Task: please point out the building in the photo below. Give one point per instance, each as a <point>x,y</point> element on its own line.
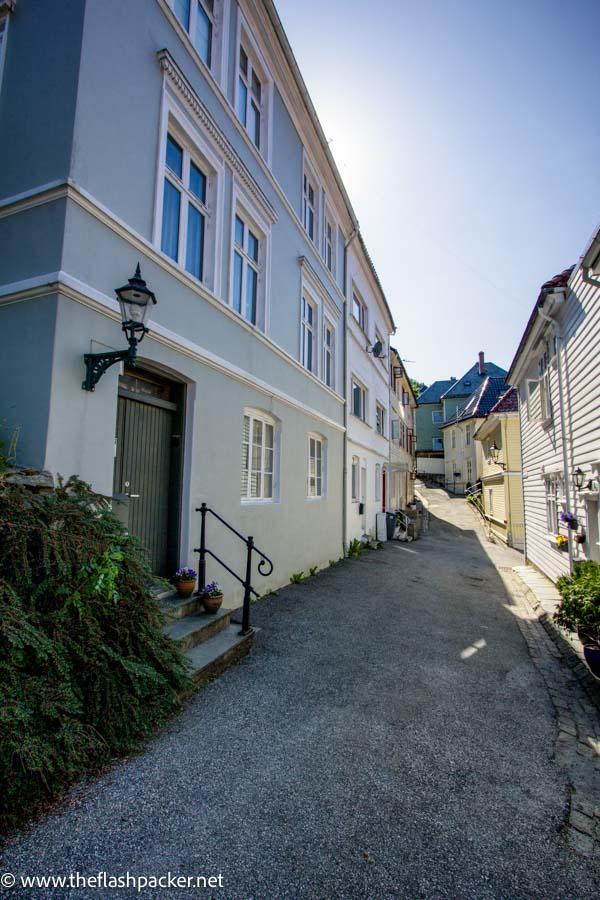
<point>181,136</point>
<point>429,418</point>
<point>461,461</point>
<point>368,329</point>
<point>557,379</point>
<point>402,465</point>
<point>498,444</point>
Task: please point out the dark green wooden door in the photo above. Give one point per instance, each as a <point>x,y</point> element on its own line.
<point>147,463</point>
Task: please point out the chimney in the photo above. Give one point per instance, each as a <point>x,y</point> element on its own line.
<point>481,363</point>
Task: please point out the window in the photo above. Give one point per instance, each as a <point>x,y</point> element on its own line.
<point>355,477</point>
<point>405,398</point>
<point>469,470</point>
<point>359,400</point>
<point>258,457</point>
<point>491,501</point>
<point>552,486</point>
<point>401,435</point>
<point>250,98</point>
<point>329,241</point>
<point>453,440</point>
<point>328,354</point>
<point>395,429</point>
<point>380,419</point>
<point>437,416</point>
<point>377,482</point>
<point>309,212</point>
<point>359,311</point>
<point>468,435</point>
<point>316,466</point>
<point>198,19</point>
<point>185,209</point>
<point>309,323</point>
<point>245,270</point>
<point>437,443</point>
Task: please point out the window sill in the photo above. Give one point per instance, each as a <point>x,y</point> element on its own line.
<point>362,421</point>
<point>547,423</point>
<point>258,502</point>
<point>314,499</point>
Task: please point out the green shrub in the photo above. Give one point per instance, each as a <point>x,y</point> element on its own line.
<point>298,578</point>
<point>355,548</point>
<point>85,670</point>
<point>579,608</point>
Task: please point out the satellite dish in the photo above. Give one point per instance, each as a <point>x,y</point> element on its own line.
<point>377,349</point>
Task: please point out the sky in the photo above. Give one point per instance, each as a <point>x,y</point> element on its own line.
<point>468,137</point>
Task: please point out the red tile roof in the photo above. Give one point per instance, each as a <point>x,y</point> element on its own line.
<point>508,402</point>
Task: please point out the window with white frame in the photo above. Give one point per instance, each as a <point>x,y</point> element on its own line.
<point>329,243</point>
<point>552,503</point>
<point>377,481</point>
<point>185,208</point>
<point>246,247</point>
<point>395,429</point>
<point>316,465</point>
<point>258,456</point>
<point>359,311</point>
<point>309,209</point>
<point>469,470</point>
<point>328,354</point>
<point>355,470</point>
<point>250,97</point>
<point>359,400</point>
<point>380,419</point>
<point>309,325</point>
<point>198,18</point>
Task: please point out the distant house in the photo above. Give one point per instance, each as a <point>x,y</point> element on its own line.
<point>403,406</point>
<point>556,374</point>
<point>498,445</point>
<point>429,417</point>
<point>460,456</point>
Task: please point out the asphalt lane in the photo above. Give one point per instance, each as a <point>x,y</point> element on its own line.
<point>388,737</point>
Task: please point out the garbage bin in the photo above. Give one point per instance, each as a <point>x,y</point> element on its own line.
<point>390,524</point>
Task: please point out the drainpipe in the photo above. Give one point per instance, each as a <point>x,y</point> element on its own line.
<point>558,298</point>
<point>353,234</point>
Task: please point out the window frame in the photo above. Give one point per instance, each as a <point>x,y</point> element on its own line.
<point>434,413</point>
<point>310,181</point>
<point>440,441</point>
<point>252,218</point>
<point>309,329</point>
<point>362,318</point>
<point>552,483</point>
<point>328,353</point>
<point>380,419</point>
<point>219,19</point>
<point>257,62</point>
<point>195,148</point>
<point>355,479</point>
<point>258,415</point>
<point>355,383</point>
<point>320,482</point>
<point>329,246</point>
<point>378,482</point>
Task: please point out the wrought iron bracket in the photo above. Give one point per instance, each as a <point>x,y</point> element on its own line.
<point>96,364</point>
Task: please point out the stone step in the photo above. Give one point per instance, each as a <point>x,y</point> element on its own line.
<point>192,630</point>
<point>211,658</point>
<point>175,607</point>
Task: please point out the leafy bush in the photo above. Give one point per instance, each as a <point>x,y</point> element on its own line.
<point>355,548</point>
<point>579,608</point>
<point>298,578</point>
<point>85,670</point>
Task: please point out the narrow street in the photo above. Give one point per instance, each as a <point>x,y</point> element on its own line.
<point>388,736</point>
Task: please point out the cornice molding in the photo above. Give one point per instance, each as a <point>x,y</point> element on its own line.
<point>184,88</point>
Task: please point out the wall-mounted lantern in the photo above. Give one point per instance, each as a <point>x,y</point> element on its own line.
<point>578,478</point>
<point>495,455</point>
<point>135,300</point>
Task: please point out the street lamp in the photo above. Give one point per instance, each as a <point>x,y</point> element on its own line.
<point>134,299</point>
<point>495,454</point>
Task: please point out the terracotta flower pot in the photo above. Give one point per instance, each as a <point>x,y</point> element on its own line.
<point>185,588</point>
<point>212,604</point>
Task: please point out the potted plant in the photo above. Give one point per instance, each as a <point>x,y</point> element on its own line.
<point>579,609</point>
<point>212,596</point>
<point>562,542</point>
<point>184,580</point>
<point>569,519</point>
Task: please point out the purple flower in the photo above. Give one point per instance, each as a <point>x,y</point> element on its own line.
<point>186,574</point>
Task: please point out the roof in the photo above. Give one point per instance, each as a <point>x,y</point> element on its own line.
<point>482,401</point>
<point>433,393</point>
<point>558,281</point>
<point>471,380</point>
<point>508,402</point>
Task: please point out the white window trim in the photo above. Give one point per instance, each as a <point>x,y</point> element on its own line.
<point>365,398</point>
<point>314,330</point>
<point>245,36</point>
<point>381,406</point>
<point>173,121</point>
<point>314,436</point>
<point>325,311</point>
<point>251,215</point>
<point>355,479</point>
<point>309,170</point>
<point>328,216</point>
<point>331,349</point>
<point>266,418</point>
<point>356,293</point>
<point>220,44</point>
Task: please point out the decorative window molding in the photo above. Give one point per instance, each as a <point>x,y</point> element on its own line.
<point>253,93</point>
<point>359,400</point>
<point>249,288</point>
<point>221,144</point>
<point>261,440</point>
<point>317,467</point>
<point>188,212</point>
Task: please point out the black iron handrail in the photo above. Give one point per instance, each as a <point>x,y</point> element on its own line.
<point>246,582</point>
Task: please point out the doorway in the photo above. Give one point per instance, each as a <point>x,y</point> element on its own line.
<point>148,463</point>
